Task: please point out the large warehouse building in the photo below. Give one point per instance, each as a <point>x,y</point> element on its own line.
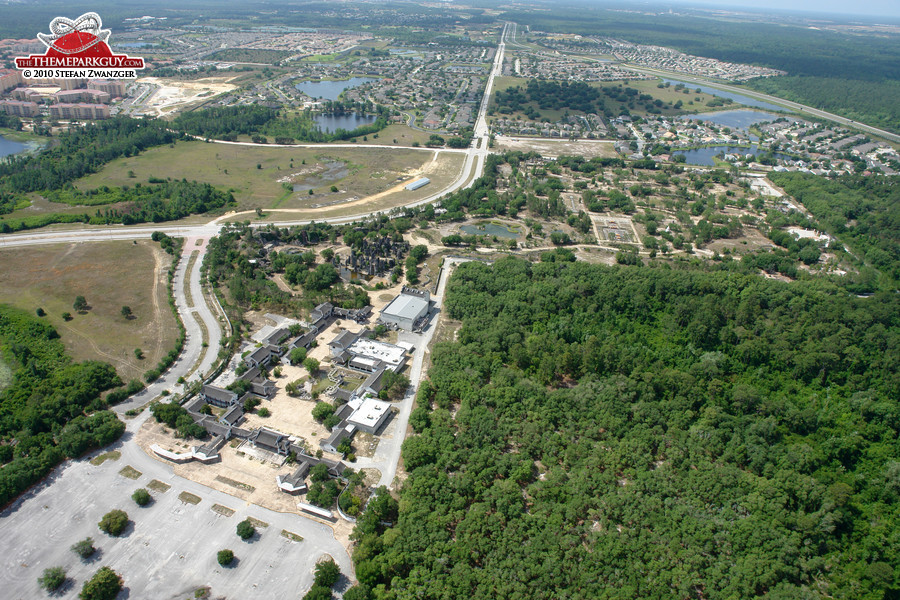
<point>406,310</point>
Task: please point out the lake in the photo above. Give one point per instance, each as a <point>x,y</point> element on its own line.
<point>330,90</point>
<point>745,100</point>
<point>331,123</point>
<point>489,229</point>
<point>704,156</point>
<point>736,119</point>
<point>8,147</point>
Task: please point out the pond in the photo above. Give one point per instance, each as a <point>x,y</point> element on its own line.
<point>736,119</point>
<point>745,100</point>
<point>334,170</point>
<point>330,90</point>
<point>350,121</point>
<point>704,156</point>
<point>8,147</point>
<point>489,229</point>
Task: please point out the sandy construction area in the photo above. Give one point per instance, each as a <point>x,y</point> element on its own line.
<point>175,95</point>
<point>550,147</point>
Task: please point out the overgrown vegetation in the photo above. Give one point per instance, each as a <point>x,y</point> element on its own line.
<point>709,435</point>
<point>53,409</point>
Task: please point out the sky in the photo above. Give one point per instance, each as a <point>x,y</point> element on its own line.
<point>867,8</point>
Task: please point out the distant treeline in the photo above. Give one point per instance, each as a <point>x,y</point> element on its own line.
<point>53,409</point>
<point>799,50</point>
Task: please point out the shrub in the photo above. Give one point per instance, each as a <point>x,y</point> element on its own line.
<point>141,497</point>
<point>52,579</point>
<point>245,529</point>
<point>114,522</point>
<point>104,585</point>
<point>263,412</point>
<point>225,557</point>
<point>84,548</point>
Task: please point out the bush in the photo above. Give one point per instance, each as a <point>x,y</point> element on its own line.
<point>84,548</point>
<point>327,573</point>
<point>322,410</point>
<point>114,522</point>
<point>52,579</point>
<point>263,412</point>
<point>225,557</point>
<point>104,585</point>
<point>141,497</point>
<point>245,529</point>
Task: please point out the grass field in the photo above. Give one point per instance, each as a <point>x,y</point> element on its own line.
<point>256,174</point>
<point>109,275</point>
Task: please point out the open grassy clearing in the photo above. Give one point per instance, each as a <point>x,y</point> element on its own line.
<point>159,486</point>
<point>6,375</point>
<point>189,498</point>
<point>222,510</point>
<point>291,535</point>
<point>257,175</point>
<point>109,275</point>
<point>102,458</point>
<point>442,171</point>
<point>130,472</point>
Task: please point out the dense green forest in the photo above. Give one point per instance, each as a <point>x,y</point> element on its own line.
<point>862,211</point>
<point>53,409</point>
<point>601,432</point>
<point>610,101</point>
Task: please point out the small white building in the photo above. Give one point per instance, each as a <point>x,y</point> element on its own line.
<point>370,415</point>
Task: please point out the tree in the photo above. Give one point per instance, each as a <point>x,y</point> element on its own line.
<point>84,548</point>
<point>327,574</point>
<point>126,312</point>
<point>245,529</point>
<point>67,316</point>
<point>40,312</point>
<point>80,304</point>
<point>297,356</point>
<point>318,592</point>
<point>104,585</point>
<point>263,412</point>
<point>114,522</point>
<point>52,579</point>
<point>312,365</point>
<point>139,354</point>
<point>327,254</point>
<point>225,557</point>
<point>141,497</point>
<point>322,410</point>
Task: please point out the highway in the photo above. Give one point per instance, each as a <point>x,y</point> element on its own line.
<point>800,108</point>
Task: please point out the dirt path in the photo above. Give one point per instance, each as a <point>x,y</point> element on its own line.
<point>157,309</point>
